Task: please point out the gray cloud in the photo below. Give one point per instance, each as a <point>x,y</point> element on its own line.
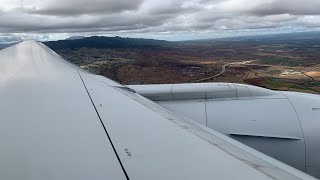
<point>114,22</point>
<point>154,16</point>
<point>293,7</point>
<point>80,7</point>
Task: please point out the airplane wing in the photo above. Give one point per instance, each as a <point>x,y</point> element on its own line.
<point>60,122</point>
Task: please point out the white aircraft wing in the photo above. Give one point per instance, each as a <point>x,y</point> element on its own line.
<point>59,122</point>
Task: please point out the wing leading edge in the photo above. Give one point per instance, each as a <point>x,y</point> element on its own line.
<point>59,122</point>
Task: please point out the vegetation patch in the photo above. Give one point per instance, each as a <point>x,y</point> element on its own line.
<point>281,61</point>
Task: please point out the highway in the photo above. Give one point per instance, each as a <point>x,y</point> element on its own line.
<point>223,70</point>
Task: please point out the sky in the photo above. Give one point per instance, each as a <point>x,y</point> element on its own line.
<point>159,19</point>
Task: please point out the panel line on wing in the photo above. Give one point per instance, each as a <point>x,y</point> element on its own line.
<point>124,171</point>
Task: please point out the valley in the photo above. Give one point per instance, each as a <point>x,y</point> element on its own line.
<point>289,62</point>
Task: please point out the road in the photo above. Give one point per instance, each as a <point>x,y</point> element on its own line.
<point>223,70</point>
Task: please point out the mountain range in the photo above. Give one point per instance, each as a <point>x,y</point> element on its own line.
<point>102,42</point>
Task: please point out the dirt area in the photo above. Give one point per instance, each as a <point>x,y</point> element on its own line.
<point>314,74</point>
<point>278,65</point>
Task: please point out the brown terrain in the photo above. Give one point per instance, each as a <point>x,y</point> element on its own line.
<point>290,65</point>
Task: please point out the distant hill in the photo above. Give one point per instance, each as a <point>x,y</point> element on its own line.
<point>101,42</point>
<point>75,37</point>
<point>10,39</point>
<point>300,37</point>
<point>2,46</point>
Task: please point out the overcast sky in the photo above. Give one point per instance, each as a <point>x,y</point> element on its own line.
<point>160,19</point>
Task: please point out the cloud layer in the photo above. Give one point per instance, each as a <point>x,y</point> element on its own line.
<point>158,17</point>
